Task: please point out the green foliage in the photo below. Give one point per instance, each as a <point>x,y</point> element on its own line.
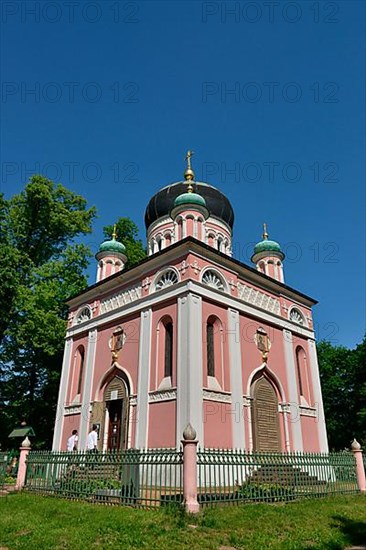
<point>269,492</point>
<point>127,233</point>
<point>41,267</point>
<point>343,380</point>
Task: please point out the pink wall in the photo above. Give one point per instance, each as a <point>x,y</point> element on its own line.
<point>127,358</point>
<point>310,437</point>
<point>217,424</point>
<point>162,424</point>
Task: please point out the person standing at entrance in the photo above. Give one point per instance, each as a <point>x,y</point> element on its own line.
<point>92,440</point>
<point>72,442</point>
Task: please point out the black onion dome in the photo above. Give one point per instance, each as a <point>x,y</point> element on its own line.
<point>163,201</point>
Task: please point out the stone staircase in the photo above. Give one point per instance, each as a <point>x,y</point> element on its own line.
<point>284,475</point>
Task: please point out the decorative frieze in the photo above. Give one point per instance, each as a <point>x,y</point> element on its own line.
<point>258,299</point>
<point>72,409</point>
<point>121,299</point>
<point>308,411</point>
<point>162,395</point>
<point>210,395</point>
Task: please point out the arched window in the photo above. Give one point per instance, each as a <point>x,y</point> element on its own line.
<point>210,342</point>
<point>302,374</point>
<point>168,355</point>
<point>80,361</point>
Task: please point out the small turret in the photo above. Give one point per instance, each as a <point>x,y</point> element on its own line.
<point>111,257</point>
<point>268,257</point>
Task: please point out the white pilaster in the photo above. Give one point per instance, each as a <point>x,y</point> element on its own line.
<point>66,368</point>
<point>236,379</point>
<point>189,366</point>
<point>142,411</point>
<point>318,398</point>
<point>87,388</point>
<point>293,395</point>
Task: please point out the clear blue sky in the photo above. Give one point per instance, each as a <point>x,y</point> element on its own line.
<point>273,92</point>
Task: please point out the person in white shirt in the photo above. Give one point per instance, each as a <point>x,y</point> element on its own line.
<point>72,442</point>
<point>92,440</point>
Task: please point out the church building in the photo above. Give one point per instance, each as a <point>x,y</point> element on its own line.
<point>191,335</point>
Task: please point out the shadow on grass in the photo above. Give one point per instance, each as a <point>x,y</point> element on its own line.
<point>354,531</point>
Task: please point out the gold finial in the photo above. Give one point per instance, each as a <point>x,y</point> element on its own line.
<point>265,234</point>
<point>189,174</point>
<point>114,234</point>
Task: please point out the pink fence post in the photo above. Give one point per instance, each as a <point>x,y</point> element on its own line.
<point>357,452</point>
<point>189,443</point>
<point>22,467</point>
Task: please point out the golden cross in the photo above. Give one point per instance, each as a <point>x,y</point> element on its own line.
<point>188,158</point>
<point>265,234</point>
<point>114,234</point>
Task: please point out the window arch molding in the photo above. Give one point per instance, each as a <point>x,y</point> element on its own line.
<point>165,278</point>
<point>83,314</point>
<point>213,278</point>
<point>297,317</point>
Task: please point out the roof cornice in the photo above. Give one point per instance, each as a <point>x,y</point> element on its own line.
<point>182,248</point>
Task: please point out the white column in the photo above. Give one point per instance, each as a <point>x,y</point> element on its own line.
<point>60,411</point>
<point>189,366</point>
<point>293,395</point>
<point>318,398</point>
<point>236,379</point>
<point>142,411</point>
<point>87,388</point>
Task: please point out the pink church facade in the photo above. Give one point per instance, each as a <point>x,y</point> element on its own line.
<point>191,335</point>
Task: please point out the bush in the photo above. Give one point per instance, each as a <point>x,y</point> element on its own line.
<point>268,492</point>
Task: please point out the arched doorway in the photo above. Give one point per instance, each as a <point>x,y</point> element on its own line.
<point>116,401</point>
<point>265,421</point>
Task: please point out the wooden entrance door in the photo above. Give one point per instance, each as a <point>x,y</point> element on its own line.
<point>115,421</point>
<point>116,401</point>
<point>265,422</point>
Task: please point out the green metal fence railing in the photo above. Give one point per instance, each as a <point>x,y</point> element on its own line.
<point>9,461</point>
<point>153,477</point>
<point>233,476</point>
<point>135,477</point>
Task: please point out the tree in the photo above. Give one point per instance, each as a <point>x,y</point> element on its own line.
<point>43,266</point>
<point>343,380</point>
<point>127,233</point>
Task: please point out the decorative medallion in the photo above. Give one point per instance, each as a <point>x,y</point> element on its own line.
<point>116,342</point>
<point>263,343</point>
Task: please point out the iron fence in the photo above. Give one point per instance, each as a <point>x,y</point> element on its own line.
<point>143,478</point>
<point>9,462</point>
<point>233,476</point>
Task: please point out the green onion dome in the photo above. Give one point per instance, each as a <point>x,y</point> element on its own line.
<point>267,246</point>
<point>193,199</point>
<point>112,246</point>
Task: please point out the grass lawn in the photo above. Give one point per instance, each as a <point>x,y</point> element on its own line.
<point>41,523</point>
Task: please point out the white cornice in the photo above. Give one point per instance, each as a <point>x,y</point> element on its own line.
<point>177,251</point>
<point>200,289</point>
